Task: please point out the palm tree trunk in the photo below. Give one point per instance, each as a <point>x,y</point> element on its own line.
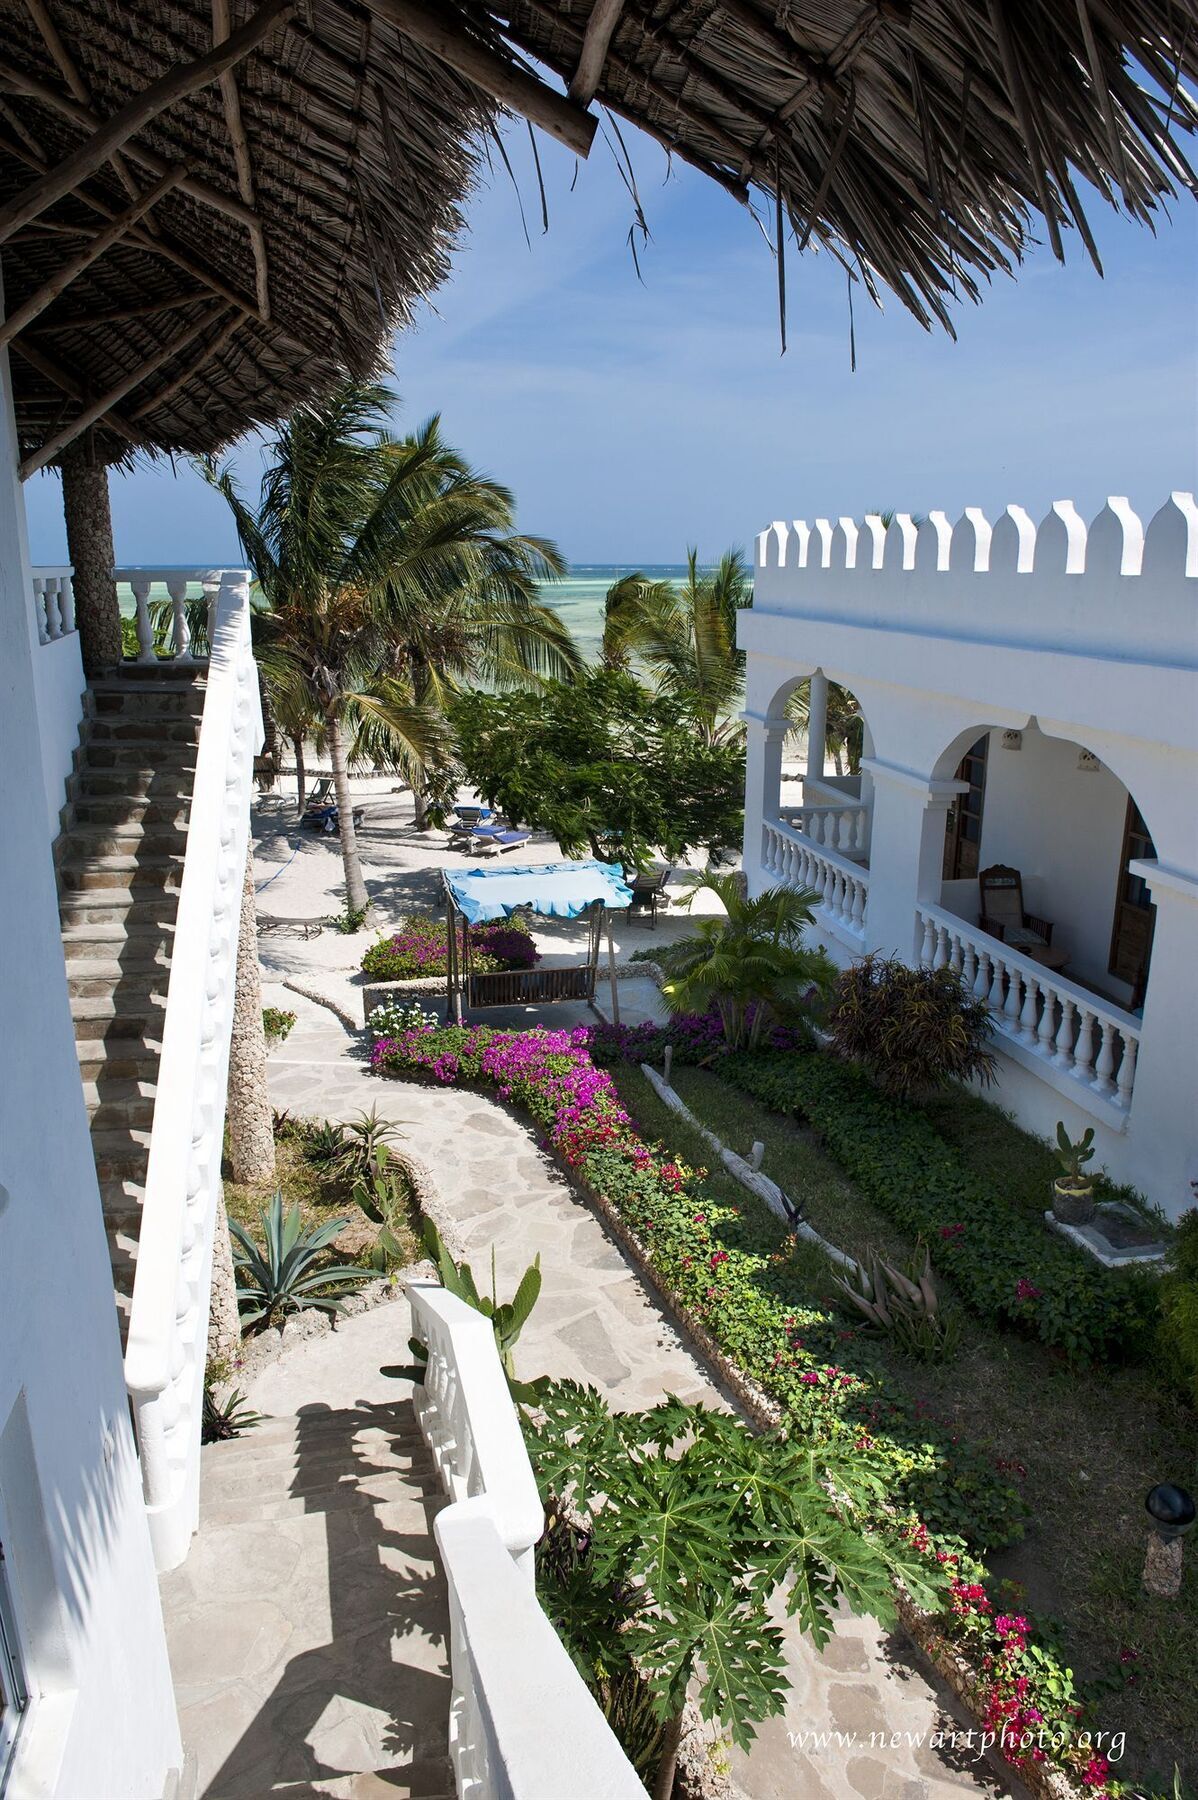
<point>667,1768</point>
<point>251,1138</point>
<point>301,775</point>
<point>89,546</point>
<point>224,1321</point>
<point>420,802</point>
<point>356,898</point>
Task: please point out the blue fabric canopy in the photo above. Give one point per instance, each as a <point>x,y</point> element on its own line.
<point>555,890</point>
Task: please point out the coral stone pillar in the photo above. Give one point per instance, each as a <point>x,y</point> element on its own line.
<point>88,512</point>
<point>251,1139</point>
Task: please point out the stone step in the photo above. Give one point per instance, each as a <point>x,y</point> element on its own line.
<point>115,1105</point>
<point>121,1154</point>
<point>143,908</point>
<point>145,783</point>
<point>117,871</point>
<point>136,727</point>
<point>119,1058</point>
<point>178,758</point>
<point>408,1511</point>
<point>313,1464</point>
<point>117,812</point>
<point>130,838</point>
<point>162,673</point>
<point>114,1018</point>
<point>168,700</point>
<point>138,943</point>
<point>122,1200</point>
<point>93,977</point>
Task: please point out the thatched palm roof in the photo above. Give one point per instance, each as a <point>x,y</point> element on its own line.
<point>195,237</point>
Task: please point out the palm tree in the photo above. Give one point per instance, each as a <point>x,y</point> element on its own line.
<point>844,737</point>
<point>750,964</point>
<point>684,637</point>
<point>360,542</point>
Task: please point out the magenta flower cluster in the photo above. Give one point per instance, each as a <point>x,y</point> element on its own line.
<point>420,947</point>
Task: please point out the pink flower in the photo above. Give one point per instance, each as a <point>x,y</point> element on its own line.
<point>1024,1289</point>
<point>717,1257</point>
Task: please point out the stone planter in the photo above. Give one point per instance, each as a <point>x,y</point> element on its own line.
<point>1072,1201</point>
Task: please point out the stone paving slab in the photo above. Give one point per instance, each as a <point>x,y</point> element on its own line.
<point>596,1322</point>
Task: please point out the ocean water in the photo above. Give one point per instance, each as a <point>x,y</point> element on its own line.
<point>578,597</point>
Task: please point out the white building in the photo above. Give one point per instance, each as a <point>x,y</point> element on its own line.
<point>1029,703</point>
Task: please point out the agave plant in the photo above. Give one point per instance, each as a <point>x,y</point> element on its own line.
<point>508,1318</point>
<point>226,1418</point>
<point>286,1274</point>
<point>902,1304</point>
<point>364,1144</point>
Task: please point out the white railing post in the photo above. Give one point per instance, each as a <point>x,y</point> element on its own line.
<point>164,1359</point>
<point>66,590</point>
<point>141,584</point>
<point>522,1721</point>
<point>176,587</point>
<point>1046,1014</point>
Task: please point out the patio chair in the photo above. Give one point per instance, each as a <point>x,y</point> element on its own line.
<point>321,795</point>
<point>648,892</point>
<point>328,819</point>
<point>1003,915</point>
<point>498,843</point>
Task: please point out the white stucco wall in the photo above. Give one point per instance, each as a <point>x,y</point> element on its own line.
<point>77,1549</point>
<point>59,687</point>
<point>1074,635</point>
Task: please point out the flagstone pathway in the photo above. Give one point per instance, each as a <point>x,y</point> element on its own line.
<point>596,1322</point>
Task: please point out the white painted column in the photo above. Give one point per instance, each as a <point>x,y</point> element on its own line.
<point>906,855</point>
<point>764,739</point>
<point>1161,1131</point>
<point>817,729</point>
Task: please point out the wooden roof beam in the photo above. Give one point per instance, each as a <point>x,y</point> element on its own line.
<point>601,27</point>
<point>231,101</point>
<point>102,241</point>
<point>120,315</point>
<point>72,386</point>
<point>474,62</point>
<point>20,82</point>
<point>95,410</point>
<point>185,374</point>
<point>51,37</point>
<point>176,84</point>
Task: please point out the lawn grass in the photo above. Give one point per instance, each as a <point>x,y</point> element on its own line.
<point>321,1196</point>
<point>1083,1445</point>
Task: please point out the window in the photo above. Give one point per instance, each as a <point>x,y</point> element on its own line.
<point>1135,915</point>
<point>14,1694</point>
<point>963,832</point>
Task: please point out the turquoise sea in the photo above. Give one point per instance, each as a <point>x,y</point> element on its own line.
<point>578,597</point>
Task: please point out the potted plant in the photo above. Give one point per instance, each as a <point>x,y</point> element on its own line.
<point>1073,1191</point>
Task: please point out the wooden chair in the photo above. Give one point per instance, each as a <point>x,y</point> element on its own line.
<point>1003,915</point>
<point>648,892</point>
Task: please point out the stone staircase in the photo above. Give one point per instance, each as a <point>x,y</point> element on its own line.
<point>307,1628</point>
<point>120,865</point>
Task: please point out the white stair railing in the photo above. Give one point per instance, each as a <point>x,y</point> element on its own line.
<point>175,643</point>
<point>523,1724</point>
<point>168,1327</point>
<point>798,861</point>
<point>1070,1029</point>
<point>843,828</point>
<point>53,603</point>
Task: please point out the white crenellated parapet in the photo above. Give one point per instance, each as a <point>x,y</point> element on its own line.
<point>1008,576</point>
<point>522,1722</point>
<point>168,1326</point>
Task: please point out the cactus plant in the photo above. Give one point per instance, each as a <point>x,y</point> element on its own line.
<point>508,1318</point>
<point>903,1304</point>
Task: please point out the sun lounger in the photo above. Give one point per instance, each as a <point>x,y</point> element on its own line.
<point>328,819</point>
<point>498,843</point>
<point>305,928</point>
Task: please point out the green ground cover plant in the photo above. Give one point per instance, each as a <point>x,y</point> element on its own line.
<point>1025,1278</point>
<point>420,947</point>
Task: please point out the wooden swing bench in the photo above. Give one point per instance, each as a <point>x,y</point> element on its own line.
<point>529,987</point>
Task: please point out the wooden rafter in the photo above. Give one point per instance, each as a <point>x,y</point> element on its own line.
<point>102,241</point>
<point>605,16</point>
<point>175,85</point>
<point>230,327</point>
<point>69,70</point>
<point>71,385</point>
<point>471,59</point>
<point>231,101</point>
<point>19,82</point>
<point>97,409</point>
<point>120,315</point>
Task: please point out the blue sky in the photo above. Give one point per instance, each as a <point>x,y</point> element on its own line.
<point>632,420</point>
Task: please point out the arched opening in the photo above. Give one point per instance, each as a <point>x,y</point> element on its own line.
<point>821,768</point>
<point>1042,828</point>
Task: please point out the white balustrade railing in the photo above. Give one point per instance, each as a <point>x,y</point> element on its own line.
<point>792,857</point>
<point>168,1327</point>
<point>523,1724</point>
<point>156,638</point>
<point>1065,1025</point>
<point>844,828</point>
<point>53,603</point>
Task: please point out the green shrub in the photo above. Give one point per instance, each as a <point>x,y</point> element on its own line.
<point>1004,1267</point>
<point>1178,1336</point>
<point>912,1029</point>
<point>276,1023</point>
<point>420,947</point>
